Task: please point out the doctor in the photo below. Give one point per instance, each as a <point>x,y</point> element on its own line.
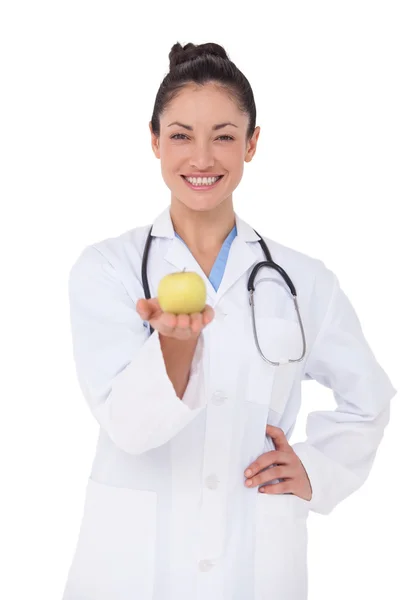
<point>195,490</point>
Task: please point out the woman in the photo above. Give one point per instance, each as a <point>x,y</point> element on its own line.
<point>195,491</point>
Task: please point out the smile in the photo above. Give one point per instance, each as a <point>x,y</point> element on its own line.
<point>202,183</point>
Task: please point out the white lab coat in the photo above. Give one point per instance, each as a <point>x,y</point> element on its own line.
<point>167,515</point>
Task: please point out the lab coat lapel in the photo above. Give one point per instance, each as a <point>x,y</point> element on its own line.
<point>240,258</point>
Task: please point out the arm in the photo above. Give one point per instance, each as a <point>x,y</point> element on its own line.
<point>178,356</point>
<point>121,370</point>
<point>341,445</point>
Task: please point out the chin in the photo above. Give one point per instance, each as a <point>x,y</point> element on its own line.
<point>201,205</point>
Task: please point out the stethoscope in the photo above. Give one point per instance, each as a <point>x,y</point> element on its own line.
<point>250,286</point>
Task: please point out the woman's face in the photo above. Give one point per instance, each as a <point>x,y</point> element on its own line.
<point>195,147</point>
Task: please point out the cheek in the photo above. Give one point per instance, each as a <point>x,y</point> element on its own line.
<point>173,161</point>
<point>171,153</point>
<point>170,159</point>
<point>237,168</point>
<point>231,158</point>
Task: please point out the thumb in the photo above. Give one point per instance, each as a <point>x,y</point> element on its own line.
<point>278,436</point>
<point>142,308</point>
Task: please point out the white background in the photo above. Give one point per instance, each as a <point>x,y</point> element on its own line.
<point>79,80</point>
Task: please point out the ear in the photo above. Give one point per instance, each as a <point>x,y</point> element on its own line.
<point>252,145</point>
<point>155,142</point>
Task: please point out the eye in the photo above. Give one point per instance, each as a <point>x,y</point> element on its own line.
<point>176,136</point>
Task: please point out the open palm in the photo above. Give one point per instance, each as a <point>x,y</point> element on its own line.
<point>182,326</point>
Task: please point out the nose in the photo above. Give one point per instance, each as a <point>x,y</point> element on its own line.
<point>202,157</point>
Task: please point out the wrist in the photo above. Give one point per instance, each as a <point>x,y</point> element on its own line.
<point>175,342</point>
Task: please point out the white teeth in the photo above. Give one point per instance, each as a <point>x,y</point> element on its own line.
<point>202,180</point>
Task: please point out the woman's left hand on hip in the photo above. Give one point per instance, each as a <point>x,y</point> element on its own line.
<point>287,466</point>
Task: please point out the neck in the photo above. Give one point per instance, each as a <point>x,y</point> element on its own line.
<point>203,231</point>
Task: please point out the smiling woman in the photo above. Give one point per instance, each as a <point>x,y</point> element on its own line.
<point>203,131</point>
<point>171,510</point>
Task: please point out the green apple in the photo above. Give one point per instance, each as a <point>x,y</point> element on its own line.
<point>182,293</point>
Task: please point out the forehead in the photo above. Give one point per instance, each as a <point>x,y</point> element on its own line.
<point>208,104</point>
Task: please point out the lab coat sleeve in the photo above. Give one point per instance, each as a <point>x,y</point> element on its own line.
<point>341,445</point>
<point>120,368</point>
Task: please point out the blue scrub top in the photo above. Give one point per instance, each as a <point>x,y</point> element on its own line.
<point>218,269</point>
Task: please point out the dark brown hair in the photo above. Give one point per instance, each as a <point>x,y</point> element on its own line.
<point>202,64</point>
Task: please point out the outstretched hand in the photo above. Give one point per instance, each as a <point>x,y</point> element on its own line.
<point>181,327</point>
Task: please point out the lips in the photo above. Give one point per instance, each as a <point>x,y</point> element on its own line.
<point>201,176</point>
<point>202,187</point>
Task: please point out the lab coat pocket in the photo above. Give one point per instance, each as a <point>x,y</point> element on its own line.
<point>115,553</point>
<point>281,547</point>
<point>279,340</point>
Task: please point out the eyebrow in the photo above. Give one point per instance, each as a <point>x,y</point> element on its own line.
<point>214,127</point>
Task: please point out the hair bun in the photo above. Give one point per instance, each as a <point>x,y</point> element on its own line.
<point>181,54</point>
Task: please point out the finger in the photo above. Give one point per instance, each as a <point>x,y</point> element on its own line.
<point>278,472</point>
<point>274,457</point>
<point>279,437</point>
<point>183,321</point>
<point>182,330</point>
<point>165,324</point>
<point>208,314</point>
<point>196,322</point>
<point>142,308</point>
<point>284,487</point>
<point>147,308</point>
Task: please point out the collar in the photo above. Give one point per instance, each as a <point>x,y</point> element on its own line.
<point>163,227</point>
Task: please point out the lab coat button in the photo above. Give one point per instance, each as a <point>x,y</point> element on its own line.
<point>212,482</point>
<point>218,398</point>
<point>206,565</point>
